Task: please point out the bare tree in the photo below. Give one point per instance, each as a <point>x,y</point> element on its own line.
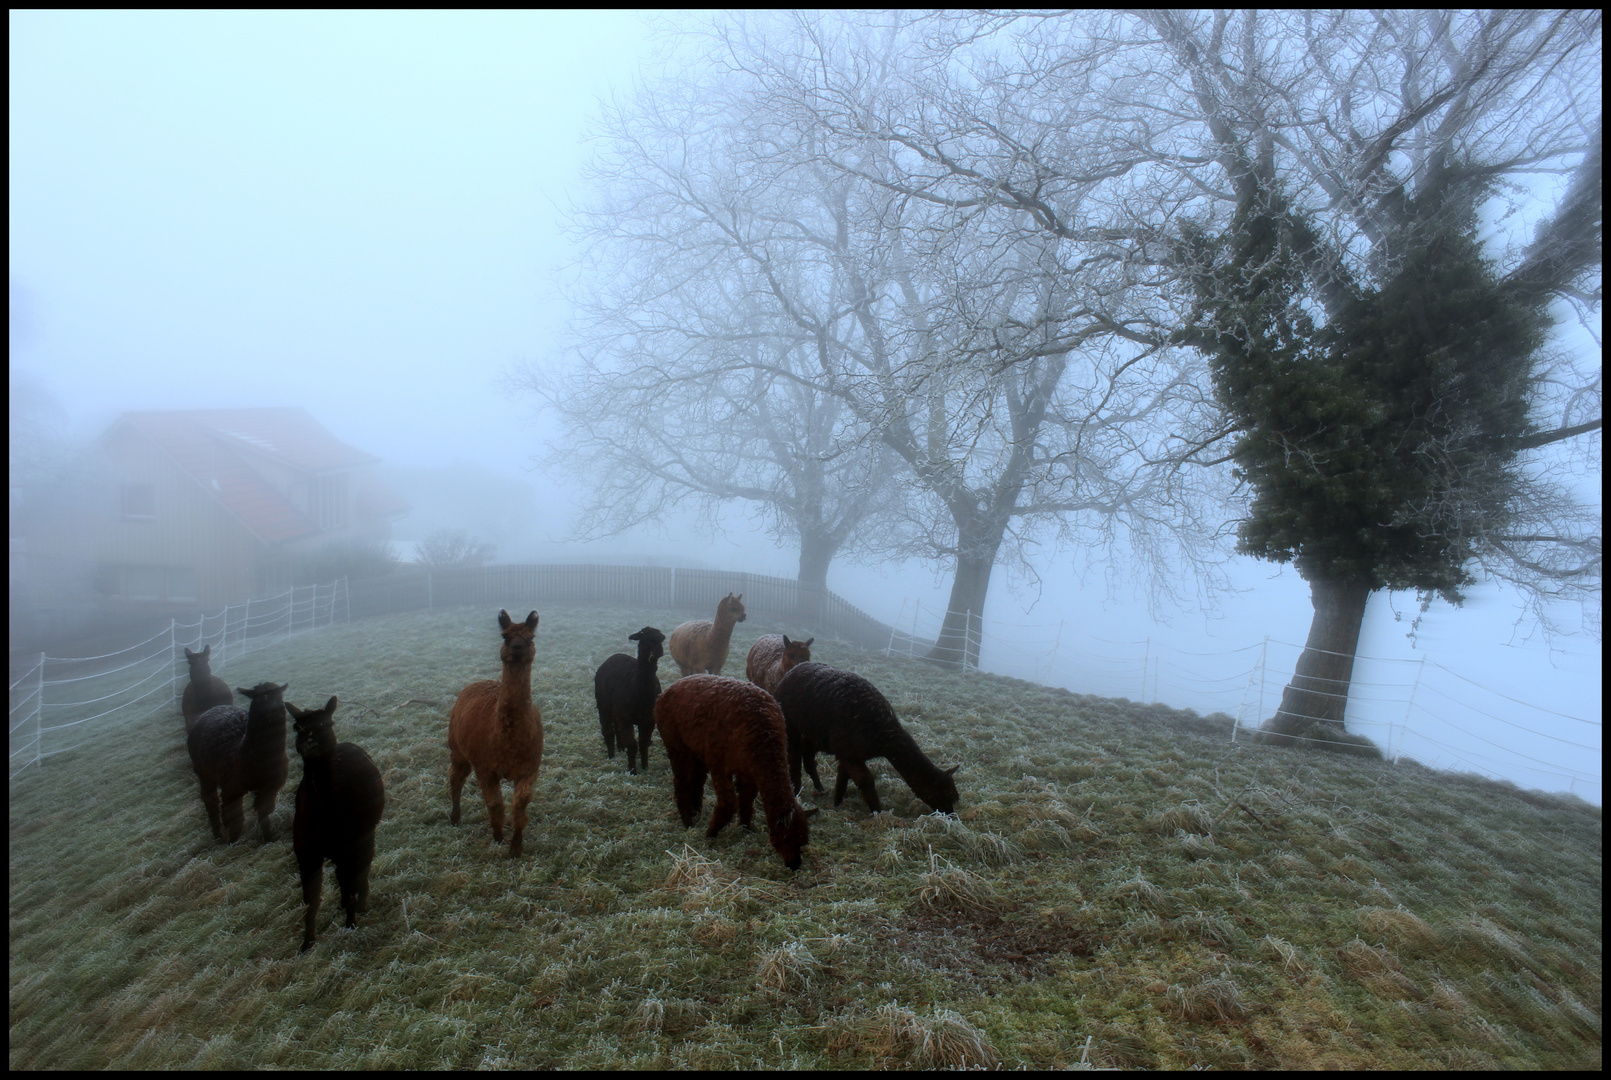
<point>454,547</point>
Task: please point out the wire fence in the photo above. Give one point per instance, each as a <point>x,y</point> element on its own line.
<point>54,699</point>
<point>1413,707</point>
<point>1407,706</point>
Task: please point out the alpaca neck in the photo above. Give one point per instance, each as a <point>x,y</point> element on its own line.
<point>908,760</point>
<point>722,630</point>
<point>514,693</point>
<point>320,773</point>
<point>264,727</point>
<point>648,680</point>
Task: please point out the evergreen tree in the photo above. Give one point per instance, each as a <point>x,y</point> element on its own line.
<point>1380,444</point>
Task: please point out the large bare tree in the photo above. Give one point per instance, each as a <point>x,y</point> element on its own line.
<point>1341,131</point>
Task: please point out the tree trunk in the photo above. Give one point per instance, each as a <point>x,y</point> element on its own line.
<point>1319,687</point>
<point>958,645</point>
<point>816,552</point>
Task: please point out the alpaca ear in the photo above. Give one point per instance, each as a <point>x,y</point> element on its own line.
<point>243,691</point>
<point>952,770</point>
<point>785,641</point>
<point>296,713</point>
<point>813,810</point>
<point>531,620</point>
<point>635,637</point>
<point>330,706</point>
<point>282,688</point>
<point>504,621</point>
<point>808,641</point>
<point>205,649</point>
<point>190,655</point>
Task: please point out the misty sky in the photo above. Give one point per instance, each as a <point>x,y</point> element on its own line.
<point>359,214</point>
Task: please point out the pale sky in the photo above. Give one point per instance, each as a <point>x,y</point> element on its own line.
<point>359,213</point>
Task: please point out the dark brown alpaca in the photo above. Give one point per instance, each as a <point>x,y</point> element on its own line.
<point>204,690</point>
<point>771,657</point>
<point>701,645</point>
<point>497,731</point>
<point>338,805</point>
<point>733,731</point>
<point>237,750</point>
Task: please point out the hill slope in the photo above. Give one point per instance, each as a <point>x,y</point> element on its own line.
<point>1121,885</point>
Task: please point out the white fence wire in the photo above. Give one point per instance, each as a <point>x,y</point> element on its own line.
<point>1408,706</point>
<point>52,697</point>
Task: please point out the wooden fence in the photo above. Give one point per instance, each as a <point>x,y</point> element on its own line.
<point>817,612</point>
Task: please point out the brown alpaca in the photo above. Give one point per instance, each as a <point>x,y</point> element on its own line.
<point>700,646</point>
<point>734,731</point>
<point>771,657</point>
<point>497,731</point>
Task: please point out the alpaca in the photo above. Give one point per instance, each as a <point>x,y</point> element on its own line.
<point>204,690</point>
<point>497,731</point>
<point>700,645</point>
<point>236,750</point>
<point>338,805</point>
<point>734,731</point>
<point>772,656</point>
<point>841,713</point>
<point>625,690</point>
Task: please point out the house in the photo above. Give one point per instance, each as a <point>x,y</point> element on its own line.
<point>201,508</point>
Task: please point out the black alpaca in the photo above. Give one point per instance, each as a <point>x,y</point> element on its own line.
<point>236,750</point>
<point>625,690</point>
<point>338,805</point>
<point>840,713</point>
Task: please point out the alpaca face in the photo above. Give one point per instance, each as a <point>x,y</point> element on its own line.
<point>733,606</point>
<point>790,834</point>
<point>265,694</point>
<point>651,643</point>
<point>315,730</point>
<point>796,652</point>
<point>519,638</point>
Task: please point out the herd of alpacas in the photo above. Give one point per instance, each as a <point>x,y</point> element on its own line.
<point>749,738</point>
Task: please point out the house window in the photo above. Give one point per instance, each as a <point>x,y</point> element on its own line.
<point>330,502</point>
<point>140,502</point>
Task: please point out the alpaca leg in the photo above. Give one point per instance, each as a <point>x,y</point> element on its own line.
<point>746,802</point>
<point>365,850</point>
<point>608,728</point>
<point>630,749</point>
<point>839,784</point>
<point>645,735</point>
<point>726,801</point>
<point>209,799</point>
<point>312,870</point>
<point>347,878</point>
<point>234,814</point>
<point>688,784</point>
<point>517,819</point>
<point>809,754</point>
<point>263,803</point>
<point>492,795</point>
<point>863,776</point>
<point>458,772</point>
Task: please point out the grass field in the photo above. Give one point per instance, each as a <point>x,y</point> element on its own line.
<point>1121,886</point>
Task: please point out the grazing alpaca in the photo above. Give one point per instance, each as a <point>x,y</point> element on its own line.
<point>701,645</point>
<point>338,805</point>
<point>496,730</point>
<point>734,731</point>
<point>772,656</point>
<point>237,750</point>
<point>841,713</point>
<point>625,690</point>
<point>205,689</point>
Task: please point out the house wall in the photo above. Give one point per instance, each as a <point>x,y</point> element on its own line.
<point>190,532</point>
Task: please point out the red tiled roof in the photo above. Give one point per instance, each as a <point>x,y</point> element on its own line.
<point>214,447</point>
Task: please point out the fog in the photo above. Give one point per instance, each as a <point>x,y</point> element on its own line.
<point>359,215</point>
